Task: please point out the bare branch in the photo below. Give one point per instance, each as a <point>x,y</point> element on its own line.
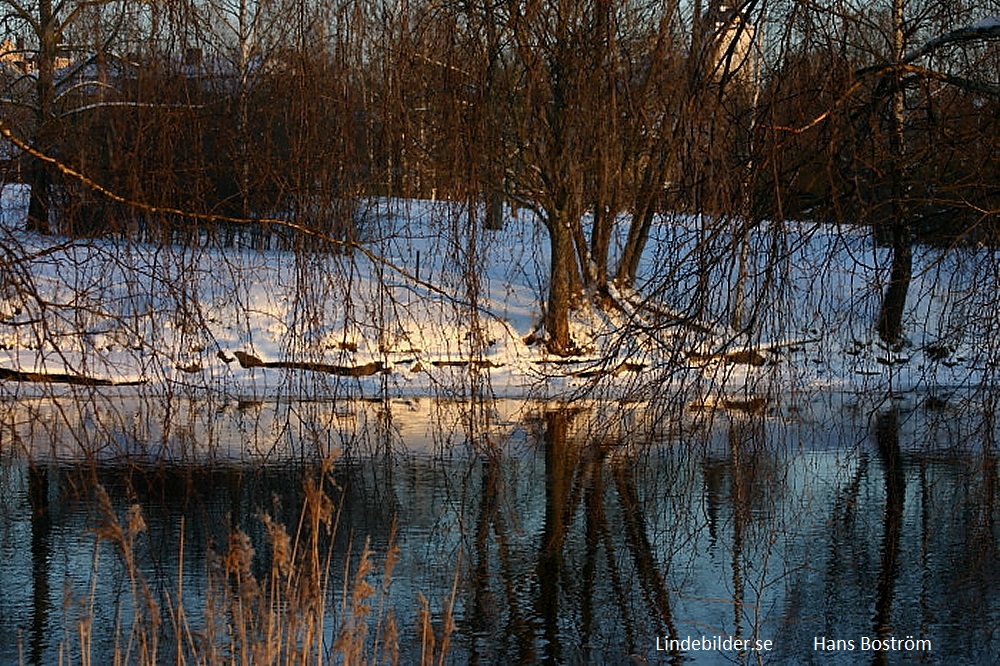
<point>25,15</point>
<point>985,30</point>
<point>351,245</point>
<point>128,105</point>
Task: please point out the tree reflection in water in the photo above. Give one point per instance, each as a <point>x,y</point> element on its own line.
<point>579,557</point>
<point>887,441</point>
<point>573,543</point>
<point>41,553</point>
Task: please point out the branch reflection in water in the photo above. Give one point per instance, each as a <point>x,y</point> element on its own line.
<point>545,533</point>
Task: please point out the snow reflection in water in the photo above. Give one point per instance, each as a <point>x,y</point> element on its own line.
<point>569,544</point>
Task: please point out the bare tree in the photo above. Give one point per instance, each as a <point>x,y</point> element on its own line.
<point>883,135</point>
<point>44,26</point>
<point>578,114</point>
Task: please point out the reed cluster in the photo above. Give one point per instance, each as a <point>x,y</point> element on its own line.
<point>290,600</point>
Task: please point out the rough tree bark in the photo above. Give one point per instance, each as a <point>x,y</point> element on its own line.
<point>890,318</point>
<point>40,177</point>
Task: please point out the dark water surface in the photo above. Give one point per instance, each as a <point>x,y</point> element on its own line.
<point>552,539</point>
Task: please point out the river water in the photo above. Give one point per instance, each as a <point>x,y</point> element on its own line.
<point>544,533</point>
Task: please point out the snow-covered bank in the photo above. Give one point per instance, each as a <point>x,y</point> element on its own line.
<point>449,311</point>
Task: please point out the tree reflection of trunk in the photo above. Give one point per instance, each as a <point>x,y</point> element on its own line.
<point>598,535</point>
<point>986,528</point>
<point>651,579</point>
<point>740,510</point>
<point>887,440</point>
<point>572,480</point>
<point>234,480</point>
<point>983,551</point>
<point>484,605</point>
<point>41,552</point>
<point>927,576</point>
<point>596,524</point>
<point>988,524</point>
<point>713,476</point>
<point>484,611</point>
<point>843,546</point>
<point>560,464</point>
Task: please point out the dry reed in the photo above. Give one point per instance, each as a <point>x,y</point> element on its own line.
<point>256,610</point>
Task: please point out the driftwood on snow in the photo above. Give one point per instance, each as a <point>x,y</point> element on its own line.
<point>59,378</point>
<point>365,370</point>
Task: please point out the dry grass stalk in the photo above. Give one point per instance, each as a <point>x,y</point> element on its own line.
<point>385,629</point>
<point>281,617</point>
<point>352,638</point>
<point>141,643</point>
<point>427,638</point>
<point>434,649</point>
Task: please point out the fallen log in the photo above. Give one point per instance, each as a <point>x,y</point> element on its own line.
<point>59,378</point>
<point>741,357</point>
<point>365,370</point>
<point>460,363</point>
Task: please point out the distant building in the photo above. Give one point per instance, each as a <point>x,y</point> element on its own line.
<point>15,57</point>
<point>733,55</point>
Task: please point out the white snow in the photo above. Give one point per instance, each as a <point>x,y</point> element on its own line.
<point>173,317</point>
<point>987,23</point>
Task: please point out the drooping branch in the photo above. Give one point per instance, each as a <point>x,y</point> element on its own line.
<point>960,82</point>
<point>213,218</point>
<point>985,30</point>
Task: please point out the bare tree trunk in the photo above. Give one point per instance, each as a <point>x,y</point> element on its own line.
<point>608,159</point>
<point>890,318</point>
<point>243,109</point>
<point>39,203</point>
<point>642,221</point>
<point>564,283</point>
<point>494,211</point>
